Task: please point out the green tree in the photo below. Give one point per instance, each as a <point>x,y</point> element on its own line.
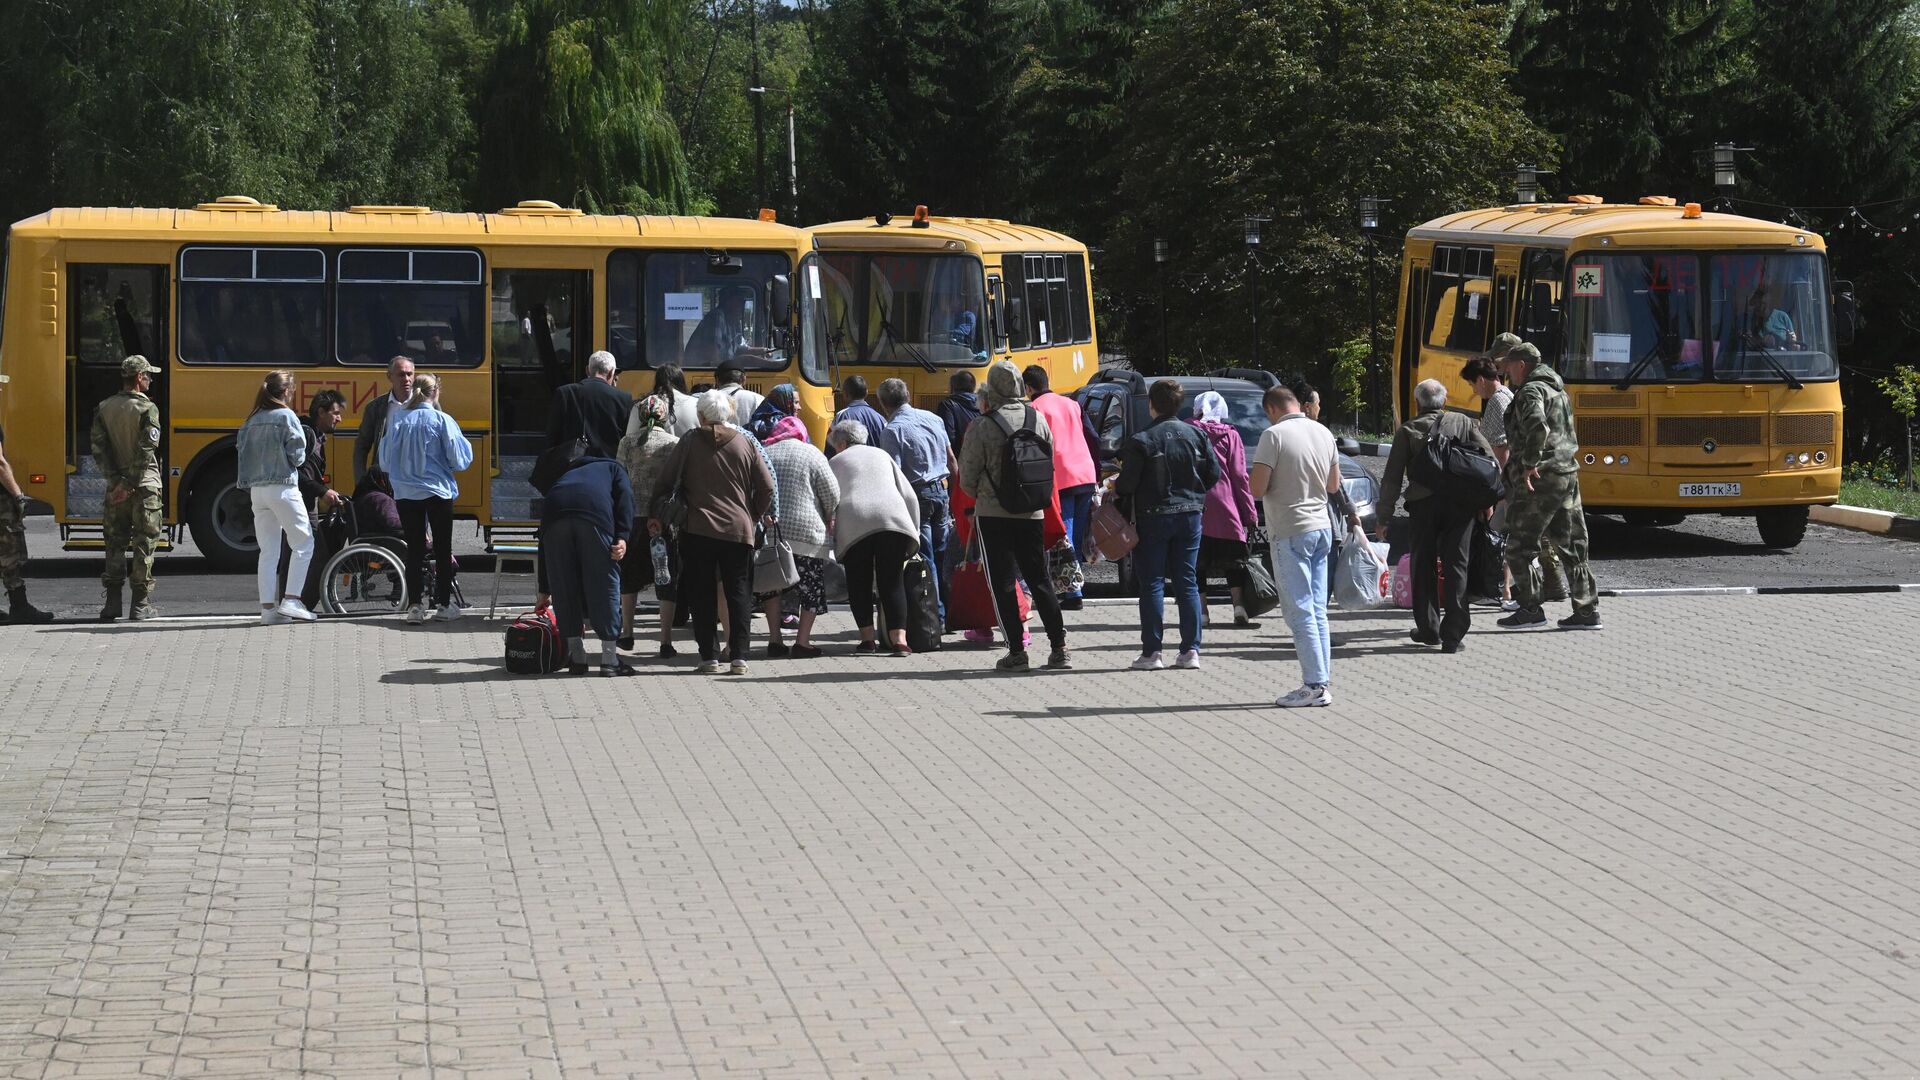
<point>706,92</point>
<point>1634,89</point>
<point>1291,110</point>
<point>904,104</point>
<point>571,107</point>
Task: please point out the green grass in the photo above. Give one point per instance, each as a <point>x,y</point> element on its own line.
<point>1879,496</point>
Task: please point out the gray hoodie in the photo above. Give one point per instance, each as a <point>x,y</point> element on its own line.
<point>980,453</point>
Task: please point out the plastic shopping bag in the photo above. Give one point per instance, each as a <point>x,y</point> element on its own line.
<point>1362,579</point>
<point>1403,583</point>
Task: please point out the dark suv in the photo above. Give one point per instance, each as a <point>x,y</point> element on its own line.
<point>1115,401</point>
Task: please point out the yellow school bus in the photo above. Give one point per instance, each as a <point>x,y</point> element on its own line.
<point>920,297</point>
<point>505,307</point>
<point>1698,349</point>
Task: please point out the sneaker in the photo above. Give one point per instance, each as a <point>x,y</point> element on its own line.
<point>667,651</point>
<point>738,667</point>
<point>1148,662</point>
<point>274,617</point>
<point>625,643</point>
<point>1485,601</point>
<point>1524,619</point>
<point>789,621</point>
<point>709,667</point>
<point>1509,605</point>
<point>1307,697</point>
<point>979,637</point>
<point>618,669</point>
<point>867,648</point>
<point>1013,661</point>
<point>447,613</point>
<point>1188,661</point>
<point>416,614</point>
<point>1058,660</point>
<point>292,608</point>
<point>1451,647</point>
<point>1577,621</point>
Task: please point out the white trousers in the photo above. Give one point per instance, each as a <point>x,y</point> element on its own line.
<point>279,510</point>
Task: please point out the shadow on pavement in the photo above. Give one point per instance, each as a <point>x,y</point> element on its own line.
<point>1609,540</point>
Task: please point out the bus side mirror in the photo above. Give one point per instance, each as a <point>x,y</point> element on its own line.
<point>1846,314</point>
<point>780,300</point>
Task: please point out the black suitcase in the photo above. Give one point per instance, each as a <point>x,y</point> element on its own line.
<point>923,607</point>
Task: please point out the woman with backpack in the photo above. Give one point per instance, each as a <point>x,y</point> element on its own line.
<point>1006,466</point>
<point>272,447</point>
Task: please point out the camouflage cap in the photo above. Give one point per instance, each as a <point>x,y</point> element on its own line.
<point>1504,344</point>
<point>1524,353</point>
<point>136,365</point>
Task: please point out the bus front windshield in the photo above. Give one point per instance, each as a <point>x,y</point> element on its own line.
<point>1652,317</point>
<point>897,309</point>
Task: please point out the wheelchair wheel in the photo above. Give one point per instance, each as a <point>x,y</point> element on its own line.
<point>365,579</point>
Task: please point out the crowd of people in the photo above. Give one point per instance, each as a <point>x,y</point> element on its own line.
<point>720,502</point>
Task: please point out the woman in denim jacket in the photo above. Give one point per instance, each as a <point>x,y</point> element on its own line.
<point>272,448</point>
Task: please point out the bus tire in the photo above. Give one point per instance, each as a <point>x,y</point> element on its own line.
<point>1782,526</point>
<point>221,517</point>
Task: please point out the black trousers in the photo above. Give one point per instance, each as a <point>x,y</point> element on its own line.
<point>704,561</point>
<point>1013,545</point>
<point>879,559</point>
<point>1442,535</point>
<point>416,517</point>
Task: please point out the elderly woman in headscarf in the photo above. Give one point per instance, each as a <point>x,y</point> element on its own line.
<point>1229,515</point>
<point>810,495</point>
<point>643,453</point>
<point>781,402</point>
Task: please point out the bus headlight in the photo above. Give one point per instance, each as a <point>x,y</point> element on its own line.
<point>1607,460</point>
<point>1805,457</point>
<point>1789,458</point>
<point>1820,457</point>
<point>1588,460</point>
<point>1623,459</point>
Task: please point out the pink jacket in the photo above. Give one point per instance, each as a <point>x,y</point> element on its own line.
<point>1229,512</point>
<point>1072,457</point>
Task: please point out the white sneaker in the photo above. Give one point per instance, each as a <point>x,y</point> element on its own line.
<point>1148,662</point>
<point>1509,605</point>
<point>1307,697</point>
<point>738,667</point>
<point>447,613</point>
<point>416,614</point>
<point>292,608</point>
<point>274,617</point>
<point>709,667</point>
<point>1188,661</point>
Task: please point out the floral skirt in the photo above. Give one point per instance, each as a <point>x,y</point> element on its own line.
<point>810,593</point>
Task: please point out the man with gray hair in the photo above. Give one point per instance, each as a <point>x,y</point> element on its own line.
<point>1441,532</point>
<point>593,409</point>
<point>917,441</point>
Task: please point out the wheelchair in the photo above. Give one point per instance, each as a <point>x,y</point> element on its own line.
<point>368,575</point>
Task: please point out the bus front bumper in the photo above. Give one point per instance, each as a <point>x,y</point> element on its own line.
<point>1708,491</point>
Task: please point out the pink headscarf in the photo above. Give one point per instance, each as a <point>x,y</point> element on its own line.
<point>787,427</point>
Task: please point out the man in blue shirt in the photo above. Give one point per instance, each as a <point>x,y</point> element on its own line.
<point>857,410</point>
<point>917,440</point>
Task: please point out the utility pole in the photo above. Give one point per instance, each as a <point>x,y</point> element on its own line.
<point>759,102</point>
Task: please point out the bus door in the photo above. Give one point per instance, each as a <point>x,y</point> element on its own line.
<point>1413,323</point>
<point>113,312</point>
<point>542,323</point>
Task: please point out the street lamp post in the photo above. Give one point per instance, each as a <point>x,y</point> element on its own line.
<point>1253,278</point>
<point>1160,259</point>
<point>793,159</point>
<point>1526,183</point>
<point>1726,171</point>
<point>1369,225</point>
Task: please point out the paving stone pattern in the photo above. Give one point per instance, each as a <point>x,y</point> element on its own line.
<point>1686,847</point>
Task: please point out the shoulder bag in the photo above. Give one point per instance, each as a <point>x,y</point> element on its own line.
<point>773,567</point>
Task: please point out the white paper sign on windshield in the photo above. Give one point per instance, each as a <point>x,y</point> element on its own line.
<point>1613,350</point>
<point>685,307</point>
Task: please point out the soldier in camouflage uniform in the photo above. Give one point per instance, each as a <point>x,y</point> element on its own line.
<point>1553,583</point>
<point>126,448</point>
<point>13,546</point>
<point>1543,494</point>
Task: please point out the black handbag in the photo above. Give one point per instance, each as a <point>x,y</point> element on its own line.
<point>553,463</point>
<point>670,510</point>
<point>1258,593</point>
<point>923,607</point>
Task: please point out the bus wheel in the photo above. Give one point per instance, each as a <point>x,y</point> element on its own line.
<point>221,517</point>
<point>1782,526</point>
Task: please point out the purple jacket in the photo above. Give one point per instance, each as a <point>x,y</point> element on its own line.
<point>1229,512</point>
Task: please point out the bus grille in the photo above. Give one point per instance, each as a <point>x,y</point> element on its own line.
<point>1610,430</point>
<point>1609,401</point>
<point>1797,428</point>
<point>1724,430</point>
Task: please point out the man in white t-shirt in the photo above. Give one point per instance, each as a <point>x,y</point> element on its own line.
<point>1296,472</point>
<point>731,381</point>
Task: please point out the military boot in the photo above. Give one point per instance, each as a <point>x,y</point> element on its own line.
<point>142,609</point>
<point>23,611</point>
<point>111,609</point>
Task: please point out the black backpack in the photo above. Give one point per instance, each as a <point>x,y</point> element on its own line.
<point>1025,480</point>
<point>1457,471</point>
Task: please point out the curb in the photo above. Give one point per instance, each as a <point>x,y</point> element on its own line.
<point>1867,520</point>
<point>1766,590</point>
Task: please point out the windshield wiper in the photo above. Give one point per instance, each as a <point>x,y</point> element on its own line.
<point>1638,366</point>
<point>1752,344</point>
<point>887,330</point>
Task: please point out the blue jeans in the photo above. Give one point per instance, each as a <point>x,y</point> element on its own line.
<point>936,527</point>
<point>1169,549</point>
<point>1300,570</point>
<point>1076,513</point>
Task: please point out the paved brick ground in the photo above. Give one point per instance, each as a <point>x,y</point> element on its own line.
<point>1686,847</point>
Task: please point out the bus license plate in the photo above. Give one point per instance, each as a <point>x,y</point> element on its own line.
<point>1708,491</point>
